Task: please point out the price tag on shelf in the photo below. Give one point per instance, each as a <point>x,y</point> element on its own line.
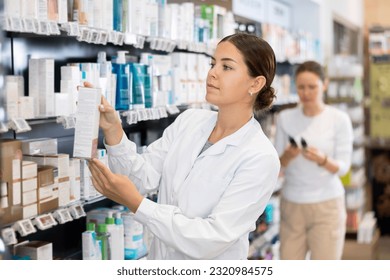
<point>77,211</point>
<point>43,28</point>
<point>130,39</point>
<point>19,125</point>
<point>120,38</point>
<point>131,117</point>
<point>103,38</point>
<point>36,25</point>
<point>84,35</point>
<point>24,227</point>
<point>16,24</point>
<point>140,42</point>
<point>163,112</point>
<point>172,109</point>
<point>112,36</point>
<point>67,121</point>
<point>6,23</point>
<point>29,25</point>
<point>62,216</point>
<point>9,236</point>
<point>74,29</point>
<point>172,45</point>
<point>53,28</point>
<point>141,114</point>
<point>44,221</point>
<point>153,42</point>
<point>3,127</point>
<point>163,45</point>
<point>149,114</point>
<point>95,36</point>
<point>155,113</point>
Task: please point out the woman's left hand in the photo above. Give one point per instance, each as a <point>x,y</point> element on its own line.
<point>313,154</point>
<point>116,187</point>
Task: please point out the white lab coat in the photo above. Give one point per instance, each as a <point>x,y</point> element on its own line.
<point>208,203</point>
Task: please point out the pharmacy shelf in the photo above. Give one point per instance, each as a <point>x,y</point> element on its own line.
<point>264,239</point>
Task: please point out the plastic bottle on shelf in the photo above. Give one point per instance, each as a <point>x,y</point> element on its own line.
<point>123,97</point>
<point>88,240</point>
<point>116,241</point>
<point>120,235</point>
<point>134,237</point>
<point>104,236</point>
<point>105,68</point>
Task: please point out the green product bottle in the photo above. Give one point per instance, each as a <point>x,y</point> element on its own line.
<point>104,237</point>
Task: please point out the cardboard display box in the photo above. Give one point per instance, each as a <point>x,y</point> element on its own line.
<point>361,251</point>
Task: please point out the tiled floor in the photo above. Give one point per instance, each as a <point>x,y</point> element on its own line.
<point>384,248</point>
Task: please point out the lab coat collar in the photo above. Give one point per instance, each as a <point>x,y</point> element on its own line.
<point>234,139</point>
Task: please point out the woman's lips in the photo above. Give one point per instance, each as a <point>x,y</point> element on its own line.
<point>211,86</point>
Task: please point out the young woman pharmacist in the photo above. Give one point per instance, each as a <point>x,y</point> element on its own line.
<point>214,171</point>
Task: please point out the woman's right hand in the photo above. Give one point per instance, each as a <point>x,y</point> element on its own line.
<point>289,154</point>
<point>109,121</point>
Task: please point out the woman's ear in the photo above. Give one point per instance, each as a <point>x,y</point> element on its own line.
<point>258,83</point>
<point>326,84</point>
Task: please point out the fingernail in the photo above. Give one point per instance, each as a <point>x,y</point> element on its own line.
<point>101,107</point>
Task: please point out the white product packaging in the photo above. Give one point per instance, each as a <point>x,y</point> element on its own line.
<point>41,85</point>
<point>87,123</point>
<point>134,237</point>
<point>117,237</point>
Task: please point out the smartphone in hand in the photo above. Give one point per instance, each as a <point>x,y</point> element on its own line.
<point>303,143</point>
<point>292,142</point>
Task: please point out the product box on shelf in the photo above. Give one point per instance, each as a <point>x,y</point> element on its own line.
<point>47,189</point>
<point>45,175</point>
<point>48,204</point>
<point>361,251</point>
<point>11,174</point>
<point>36,250</point>
<point>42,146</point>
<point>60,161</point>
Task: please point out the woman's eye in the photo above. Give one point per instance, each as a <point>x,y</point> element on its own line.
<point>225,67</point>
<point>212,65</point>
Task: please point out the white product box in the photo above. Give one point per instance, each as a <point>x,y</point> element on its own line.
<point>29,197</point>
<point>74,179</point>
<point>62,11</point>
<point>26,107</point>
<point>29,169</point>
<point>70,73</point>
<point>45,192</point>
<point>36,250</point>
<point>29,184</point>
<point>16,169</point>
<point>29,9</point>
<point>62,104</point>
<point>30,210</point>
<point>108,15</point>
<point>14,90</point>
<point>42,10</point>
<point>87,123</point>
<point>41,85</point>
<point>63,192</point>
<point>43,146</point>
<point>4,202</point>
<point>3,189</point>
<point>12,8</point>
<point>16,193</point>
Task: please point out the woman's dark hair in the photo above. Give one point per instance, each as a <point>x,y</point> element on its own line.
<point>313,67</point>
<point>260,60</point>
